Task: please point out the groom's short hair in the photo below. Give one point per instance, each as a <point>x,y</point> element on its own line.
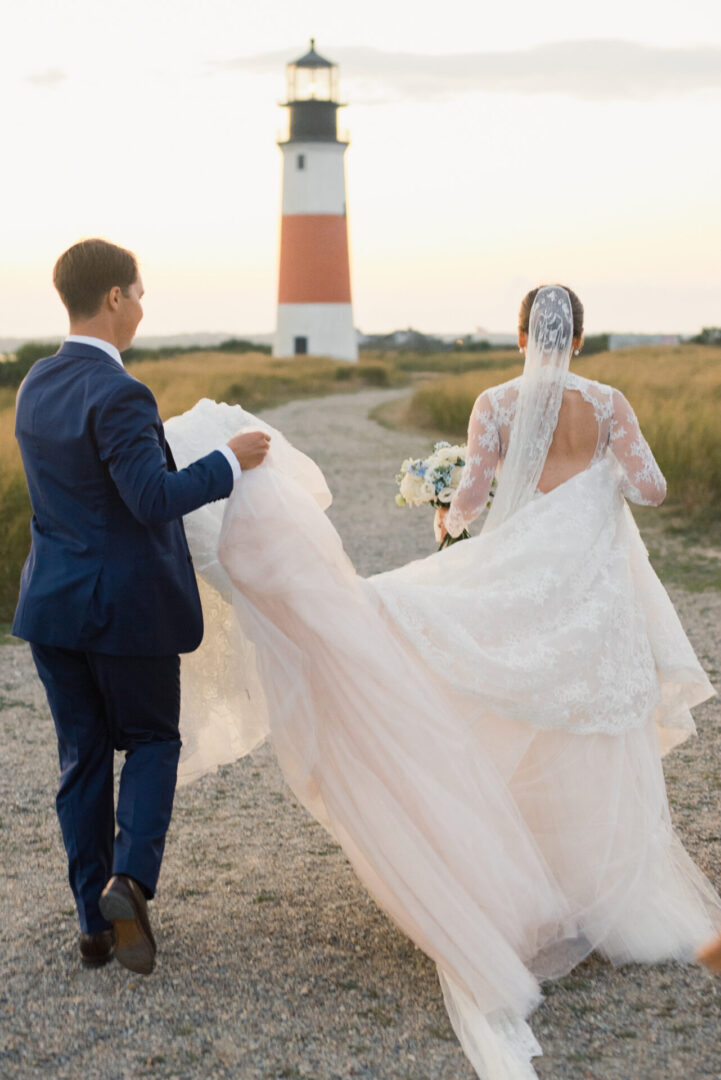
<point>88,270</point>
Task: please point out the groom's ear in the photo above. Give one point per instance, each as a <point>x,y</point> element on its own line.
<point>113,297</point>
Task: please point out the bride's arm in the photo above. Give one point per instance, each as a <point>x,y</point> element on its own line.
<point>483,450</point>
<point>643,480</point>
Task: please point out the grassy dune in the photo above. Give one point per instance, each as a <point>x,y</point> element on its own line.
<point>676,393</point>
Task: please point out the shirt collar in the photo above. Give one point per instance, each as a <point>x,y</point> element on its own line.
<point>98,343</point>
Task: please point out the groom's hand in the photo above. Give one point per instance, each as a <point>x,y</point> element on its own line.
<point>250,448</point>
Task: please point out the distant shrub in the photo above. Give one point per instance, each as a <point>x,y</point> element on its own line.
<point>710,335</point>
<point>12,372</point>
<point>36,350</point>
<point>373,374</point>
<point>235,394</point>
<point>595,343</point>
<point>137,353</point>
<point>465,345</point>
<point>239,345</point>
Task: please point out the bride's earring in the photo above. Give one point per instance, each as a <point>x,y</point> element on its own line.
<point>521,350</point>
<point>576,352</point>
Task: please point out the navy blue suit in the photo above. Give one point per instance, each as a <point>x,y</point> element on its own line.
<point>108,599</point>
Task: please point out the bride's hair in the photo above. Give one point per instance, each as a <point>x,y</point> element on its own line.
<point>524,315</point>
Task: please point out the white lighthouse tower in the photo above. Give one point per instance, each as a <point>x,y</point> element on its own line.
<point>314,301</point>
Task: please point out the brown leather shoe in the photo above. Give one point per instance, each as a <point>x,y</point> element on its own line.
<point>123,903</point>
<point>710,955</point>
<point>97,949</point>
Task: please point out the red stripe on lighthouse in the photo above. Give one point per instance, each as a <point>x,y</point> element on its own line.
<point>314,260</point>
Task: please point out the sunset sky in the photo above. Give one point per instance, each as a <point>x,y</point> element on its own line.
<point>493,146</point>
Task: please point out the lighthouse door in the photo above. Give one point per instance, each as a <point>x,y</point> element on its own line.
<point>300,346</point>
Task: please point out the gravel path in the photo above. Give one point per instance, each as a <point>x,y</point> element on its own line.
<point>273,961</point>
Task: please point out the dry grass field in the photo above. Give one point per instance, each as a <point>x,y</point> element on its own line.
<point>14,508</point>
<point>676,393</point>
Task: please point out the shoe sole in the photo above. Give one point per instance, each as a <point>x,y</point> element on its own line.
<point>133,948</point>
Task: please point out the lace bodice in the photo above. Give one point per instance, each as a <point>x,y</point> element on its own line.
<point>489,431</point>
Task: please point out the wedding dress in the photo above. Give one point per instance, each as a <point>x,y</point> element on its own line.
<point>481,730</point>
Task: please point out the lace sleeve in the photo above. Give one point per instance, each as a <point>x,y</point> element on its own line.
<point>643,480</point>
<point>483,450</point>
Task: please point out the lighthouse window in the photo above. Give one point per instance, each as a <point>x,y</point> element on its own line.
<point>300,161</point>
<point>300,346</point>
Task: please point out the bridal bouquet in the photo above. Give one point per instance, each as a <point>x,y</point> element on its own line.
<point>432,481</point>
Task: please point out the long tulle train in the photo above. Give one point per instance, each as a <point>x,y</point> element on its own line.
<point>505,850</point>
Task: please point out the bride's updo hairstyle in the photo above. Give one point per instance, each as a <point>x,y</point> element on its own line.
<point>524,315</point>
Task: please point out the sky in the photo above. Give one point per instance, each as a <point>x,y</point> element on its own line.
<point>492,147</point>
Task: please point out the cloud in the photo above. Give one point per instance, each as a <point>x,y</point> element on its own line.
<point>49,77</point>
<point>593,70</point>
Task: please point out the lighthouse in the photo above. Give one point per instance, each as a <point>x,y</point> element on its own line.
<point>314,299</point>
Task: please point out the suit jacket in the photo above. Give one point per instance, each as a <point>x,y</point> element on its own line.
<point>109,568</point>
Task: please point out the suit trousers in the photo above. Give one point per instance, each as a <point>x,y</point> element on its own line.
<point>100,704</point>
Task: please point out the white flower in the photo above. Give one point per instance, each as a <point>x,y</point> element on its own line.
<point>448,455</point>
<point>429,491</point>
<point>416,490</point>
<point>445,494</point>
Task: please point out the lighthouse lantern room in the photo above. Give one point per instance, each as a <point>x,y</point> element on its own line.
<point>314,299</point>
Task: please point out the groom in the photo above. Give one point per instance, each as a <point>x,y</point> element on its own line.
<point>108,597</point>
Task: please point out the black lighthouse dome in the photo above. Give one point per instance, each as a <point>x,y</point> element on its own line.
<point>312,102</point>
<point>312,59</point>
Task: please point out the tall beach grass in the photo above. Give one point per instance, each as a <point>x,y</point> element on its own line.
<point>14,509</point>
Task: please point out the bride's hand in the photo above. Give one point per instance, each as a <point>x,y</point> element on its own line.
<point>250,448</point>
<point>439,523</point>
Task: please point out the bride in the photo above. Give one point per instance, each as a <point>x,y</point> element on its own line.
<point>481,730</point>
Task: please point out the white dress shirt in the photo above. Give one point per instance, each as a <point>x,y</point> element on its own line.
<point>97,343</point>
<point>110,349</point>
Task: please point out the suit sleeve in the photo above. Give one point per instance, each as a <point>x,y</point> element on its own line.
<point>128,443</point>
